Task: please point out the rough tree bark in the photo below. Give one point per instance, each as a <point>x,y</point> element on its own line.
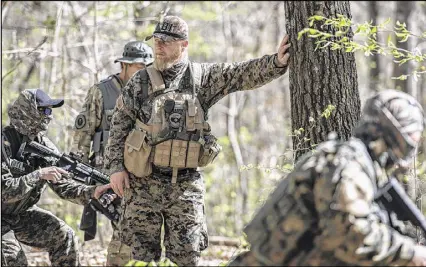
<point>319,78</point>
<point>402,14</point>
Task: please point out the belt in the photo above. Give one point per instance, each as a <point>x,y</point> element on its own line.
<point>164,171</point>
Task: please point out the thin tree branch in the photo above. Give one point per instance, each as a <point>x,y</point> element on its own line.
<point>22,59</point>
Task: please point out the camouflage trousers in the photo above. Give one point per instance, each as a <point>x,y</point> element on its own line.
<point>152,202</point>
<point>39,228</point>
<point>11,251</point>
<point>118,252</point>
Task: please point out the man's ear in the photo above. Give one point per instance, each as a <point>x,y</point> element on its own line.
<point>185,44</point>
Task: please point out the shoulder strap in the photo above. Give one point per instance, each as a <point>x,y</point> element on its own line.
<point>144,84</point>
<point>196,72</point>
<point>14,138</point>
<point>108,84</point>
<point>146,92</point>
<point>196,75</point>
<point>118,80</point>
<point>157,82</point>
<point>3,151</point>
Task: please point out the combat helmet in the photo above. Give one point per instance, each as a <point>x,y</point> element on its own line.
<point>391,116</point>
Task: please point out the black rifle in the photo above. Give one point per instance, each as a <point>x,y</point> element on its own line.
<point>82,173</point>
<point>393,197</point>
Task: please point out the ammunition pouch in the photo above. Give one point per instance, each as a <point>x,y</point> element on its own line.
<point>137,152</point>
<point>139,155</point>
<point>209,150</point>
<point>177,154</point>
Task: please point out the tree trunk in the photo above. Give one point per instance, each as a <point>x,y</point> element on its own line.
<point>319,78</point>
<point>402,14</point>
<point>374,63</point>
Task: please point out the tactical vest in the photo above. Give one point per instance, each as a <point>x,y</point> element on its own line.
<point>177,134</point>
<point>11,144</point>
<point>285,229</point>
<point>110,93</point>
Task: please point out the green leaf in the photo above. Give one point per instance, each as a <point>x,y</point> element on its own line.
<point>318,17</point>
<point>312,31</point>
<point>302,32</point>
<point>402,77</point>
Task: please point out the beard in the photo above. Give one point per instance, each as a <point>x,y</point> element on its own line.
<point>167,62</point>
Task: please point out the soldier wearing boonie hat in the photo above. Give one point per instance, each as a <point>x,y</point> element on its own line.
<point>93,123</point>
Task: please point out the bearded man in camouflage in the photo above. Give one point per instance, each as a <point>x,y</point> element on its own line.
<point>325,212</point>
<point>93,123</point>
<point>160,135</point>
<point>24,180</point>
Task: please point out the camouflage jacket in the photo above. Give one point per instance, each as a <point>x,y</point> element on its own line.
<point>217,81</point>
<point>324,214</point>
<point>20,191</point>
<point>91,119</point>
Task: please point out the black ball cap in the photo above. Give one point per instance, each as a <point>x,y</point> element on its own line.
<point>43,100</point>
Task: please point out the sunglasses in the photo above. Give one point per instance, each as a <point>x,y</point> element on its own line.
<point>45,111</point>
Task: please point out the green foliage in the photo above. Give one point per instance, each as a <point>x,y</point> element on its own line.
<point>301,135</point>
<point>334,34</point>
<point>327,112</point>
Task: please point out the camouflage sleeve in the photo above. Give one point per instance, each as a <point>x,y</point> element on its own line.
<point>73,191</point>
<point>221,79</point>
<point>15,189</point>
<point>351,224</point>
<point>123,118</point>
<point>68,189</point>
<point>87,121</point>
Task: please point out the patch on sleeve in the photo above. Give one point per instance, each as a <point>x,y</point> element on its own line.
<point>119,103</point>
<point>80,121</point>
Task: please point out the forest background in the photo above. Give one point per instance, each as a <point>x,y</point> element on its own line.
<point>64,47</point>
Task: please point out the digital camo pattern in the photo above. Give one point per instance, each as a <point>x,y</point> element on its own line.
<point>150,198</point>
<point>87,121</point>
<point>324,214</point>
<point>182,205</point>
<point>26,118</point>
<point>12,253</point>
<point>22,192</point>
<point>34,226</point>
<point>86,124</point>
<point>39,228</point>
<point>217,81</point>
<point>392,115</point>
<point>171,28</point>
